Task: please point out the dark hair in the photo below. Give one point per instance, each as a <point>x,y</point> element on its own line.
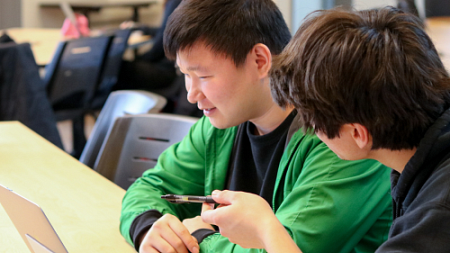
<point>231,27</point>
<point>377,68</point>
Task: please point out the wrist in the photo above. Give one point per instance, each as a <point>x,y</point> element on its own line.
<point>271,229</point>
<point>276,238</point>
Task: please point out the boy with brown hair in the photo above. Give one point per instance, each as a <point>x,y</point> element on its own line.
<point>246,142</point>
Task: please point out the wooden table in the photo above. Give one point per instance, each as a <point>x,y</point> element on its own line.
<point>45,40</point>
<point>87,7</point>
<point>83,207</point>
<point>438,28</point>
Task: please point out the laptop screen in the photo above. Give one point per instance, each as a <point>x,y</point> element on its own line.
<point>31,222</point>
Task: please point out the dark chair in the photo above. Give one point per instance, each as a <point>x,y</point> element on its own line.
<point>112,67</point>
<point>135,143</point>
<point>72,79</point>
<point>408,6</point>
<point>437,8</point>
<point>118,104</point>
<point>23,94</point>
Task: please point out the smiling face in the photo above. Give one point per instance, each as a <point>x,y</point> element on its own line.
<point>228,95</point>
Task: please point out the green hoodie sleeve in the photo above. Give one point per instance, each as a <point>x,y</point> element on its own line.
<point>325,203</point>
<point>180,170</point>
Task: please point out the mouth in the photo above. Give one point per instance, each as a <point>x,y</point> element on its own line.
<point>208,111</point>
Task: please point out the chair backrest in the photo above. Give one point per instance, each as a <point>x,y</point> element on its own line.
<point>22,92</point>
<point>112,66</point>
<point>74,73</point>
<point>119,103</point>
<point>437,8</point>
<point>408,6</point>
<point>135,143</point>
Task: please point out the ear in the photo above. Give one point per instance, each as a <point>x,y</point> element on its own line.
<point>262,58</point>
<point>361,136</point>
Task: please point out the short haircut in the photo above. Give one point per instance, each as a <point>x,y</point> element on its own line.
<point>377,68</point>
<point>228,27</point>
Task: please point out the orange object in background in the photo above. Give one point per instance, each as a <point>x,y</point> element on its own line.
<point>69,30</point>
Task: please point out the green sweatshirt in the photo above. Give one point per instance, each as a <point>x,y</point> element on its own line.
<point>325,203</point>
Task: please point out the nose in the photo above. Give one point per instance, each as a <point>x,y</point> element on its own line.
<point>195,93</point>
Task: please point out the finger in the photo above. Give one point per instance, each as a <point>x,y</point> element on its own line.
<point>213,216</point>
<point>208,216</point>
<point>160,246</point>
<point>207,206</point>
<point>183,234</point>
<point>224,197</point>
<point>148,250</point>
<point>164,235</point>
<point>152,250</point>
<point>160,238</point>
<point>171,243</point>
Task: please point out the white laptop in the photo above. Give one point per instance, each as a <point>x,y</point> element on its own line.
<point>31,222</point>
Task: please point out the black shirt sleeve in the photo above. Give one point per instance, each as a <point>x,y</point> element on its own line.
<point>202,233</point>
<point>141,224</point>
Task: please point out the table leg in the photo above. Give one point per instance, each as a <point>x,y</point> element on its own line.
<point>135,17</point>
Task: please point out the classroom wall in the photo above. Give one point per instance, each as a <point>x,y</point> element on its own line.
<point>367,4</point>
<point>293,10</point>
<point>34,16</point>
<point>286,9</point>
<point>301,8</point>
<point>10,13</point>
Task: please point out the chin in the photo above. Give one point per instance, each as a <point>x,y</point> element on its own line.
<point>221,124</point>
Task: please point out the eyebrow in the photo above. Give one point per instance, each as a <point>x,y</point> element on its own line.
<point>196,68</point>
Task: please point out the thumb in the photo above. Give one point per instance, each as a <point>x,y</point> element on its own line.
<point>223,197</point>
<point>207,207</point>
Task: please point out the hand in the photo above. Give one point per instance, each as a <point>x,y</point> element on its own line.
<point>168,234</point>
<point>196,223</point>
<point>127,24</point>
<point>248,220</point>
<point>242,217</point>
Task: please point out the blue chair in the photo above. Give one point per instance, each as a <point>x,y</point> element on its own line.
<point>111,68</point>
<point>72,79</point>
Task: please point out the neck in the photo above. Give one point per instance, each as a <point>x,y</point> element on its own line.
<point>396,160</point>
<point>269,115</point>
<point>271,119</point>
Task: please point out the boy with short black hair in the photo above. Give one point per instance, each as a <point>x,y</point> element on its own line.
<point>248,143</point>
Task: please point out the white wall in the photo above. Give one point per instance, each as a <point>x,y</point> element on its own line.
<point>368,4</point>
<point>34,16</point>
<point>286,9</point>
<point>10,13</point>
<point>293,11</point>
<point>299,9</point>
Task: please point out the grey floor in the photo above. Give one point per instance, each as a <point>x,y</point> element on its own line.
<point>65,131</point>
